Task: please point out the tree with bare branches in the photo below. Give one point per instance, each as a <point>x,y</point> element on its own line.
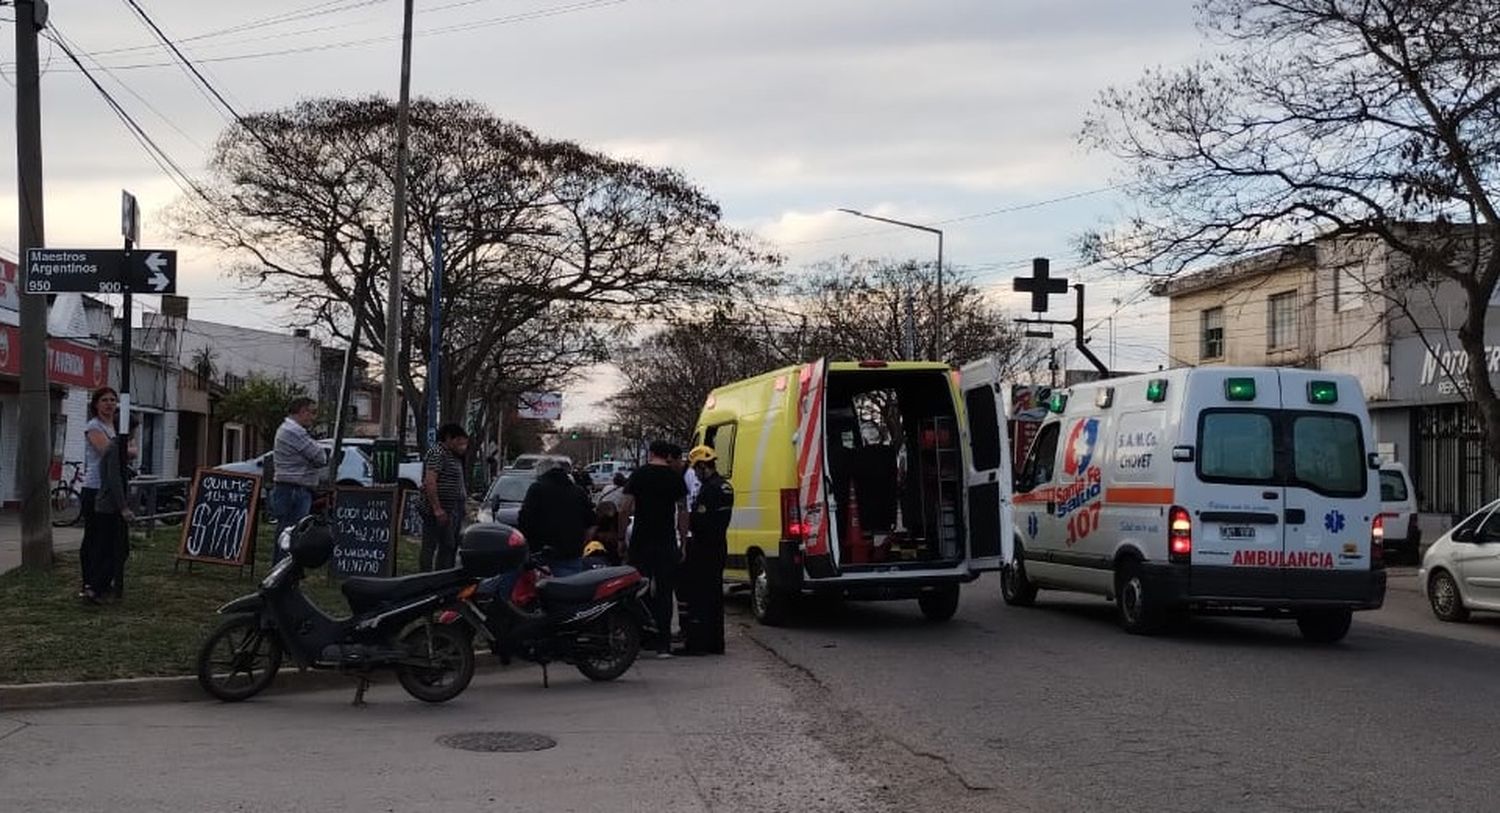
<point>549,247</point>
<point>1346,118</point>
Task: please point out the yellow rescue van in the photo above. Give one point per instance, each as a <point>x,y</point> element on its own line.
<point>866,480</point>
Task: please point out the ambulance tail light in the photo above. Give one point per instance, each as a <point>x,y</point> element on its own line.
<point>1179,535</point>
<point>792,527</point>
<point>1377,542</point>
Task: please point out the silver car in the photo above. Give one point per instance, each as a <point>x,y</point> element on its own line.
<point>1461,571</point>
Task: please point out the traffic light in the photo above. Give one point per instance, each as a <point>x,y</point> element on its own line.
<point>573,435</point>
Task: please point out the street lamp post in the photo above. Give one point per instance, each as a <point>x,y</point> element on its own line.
<point>937,328</point>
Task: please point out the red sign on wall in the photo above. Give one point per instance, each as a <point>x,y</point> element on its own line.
<point>67,362</point>
<point>9,293</point>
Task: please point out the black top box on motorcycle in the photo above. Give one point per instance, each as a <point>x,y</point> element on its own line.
<point>491,548</point>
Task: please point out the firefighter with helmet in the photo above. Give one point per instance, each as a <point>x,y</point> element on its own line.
<point>701,585</point>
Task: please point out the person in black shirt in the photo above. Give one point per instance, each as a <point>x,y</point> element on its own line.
<point>557,514</point>
<point>702,582</point>
<point>653,495</point>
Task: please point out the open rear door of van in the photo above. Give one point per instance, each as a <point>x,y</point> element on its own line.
<point>820,555</point>
<point>987,475</point>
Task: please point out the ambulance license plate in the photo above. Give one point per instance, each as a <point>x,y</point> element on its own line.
<point>1237,532</point>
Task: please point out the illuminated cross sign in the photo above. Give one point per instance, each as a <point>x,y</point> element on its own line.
<point>1040,284</point>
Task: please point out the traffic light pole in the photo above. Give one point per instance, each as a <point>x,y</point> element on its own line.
<point>1079,339</point>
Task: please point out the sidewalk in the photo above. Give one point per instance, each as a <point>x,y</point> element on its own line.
<point>689,735</point>
<point>63,539</point>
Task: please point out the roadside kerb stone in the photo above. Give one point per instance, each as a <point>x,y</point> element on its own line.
<point>177,689</point>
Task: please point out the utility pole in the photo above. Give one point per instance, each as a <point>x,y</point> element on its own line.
<point>34,452</point>
<point>939,311</point>
<point>385,452</point>
<point>435,337</point>
<point>360,286</point>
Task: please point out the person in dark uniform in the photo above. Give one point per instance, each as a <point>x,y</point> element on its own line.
<point>702,580</point>
<point>653,495</point>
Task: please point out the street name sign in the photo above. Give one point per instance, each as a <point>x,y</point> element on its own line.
<point>99,271</point>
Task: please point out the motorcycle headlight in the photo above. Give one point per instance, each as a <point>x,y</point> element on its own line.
<point>284,539</point>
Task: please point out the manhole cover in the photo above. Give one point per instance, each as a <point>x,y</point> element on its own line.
<point>497,742</point>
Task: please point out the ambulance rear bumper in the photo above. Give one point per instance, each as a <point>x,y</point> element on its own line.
<point>1265,589</point>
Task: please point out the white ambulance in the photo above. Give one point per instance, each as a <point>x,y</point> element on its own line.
<point>1216,490</point>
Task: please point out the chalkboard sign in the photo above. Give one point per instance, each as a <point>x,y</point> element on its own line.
<point>364,531</point>
<point>220,522</point>
<point>411,513</point>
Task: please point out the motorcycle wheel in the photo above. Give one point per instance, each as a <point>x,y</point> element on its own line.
<point>449,657</point>
<point>623,634</point>
<point>239,659</point>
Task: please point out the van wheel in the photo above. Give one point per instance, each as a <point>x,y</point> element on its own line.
<point>1015,588</point>
<point>1442,594</point>
<point>1137,611</point>
<point>939,605</point>
<point>1325,626</point>
<point>770,607</point>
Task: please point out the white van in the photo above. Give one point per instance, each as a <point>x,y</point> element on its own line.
<point>1216,490</point>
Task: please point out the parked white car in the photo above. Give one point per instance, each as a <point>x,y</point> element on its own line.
<point>1398,504</point>
<point>1461,571</point>
<point>354,468</point>
<point>602,472</point>
<point>530,462</point>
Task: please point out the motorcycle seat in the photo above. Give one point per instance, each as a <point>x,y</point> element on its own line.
<point>367,591</point>
<point>580,587</point>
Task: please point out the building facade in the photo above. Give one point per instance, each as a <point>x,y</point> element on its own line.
<point>1354,306</point>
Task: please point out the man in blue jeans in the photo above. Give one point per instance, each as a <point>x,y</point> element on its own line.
<point>299,463</point>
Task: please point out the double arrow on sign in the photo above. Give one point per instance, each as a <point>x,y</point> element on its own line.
<point>99,271</point>
<point>157,263</point>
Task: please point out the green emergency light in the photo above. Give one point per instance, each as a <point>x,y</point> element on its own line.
<point>1156,390</point>
<point>1322,392</point>
<point>1057,403</point>
<point>1239,389</point>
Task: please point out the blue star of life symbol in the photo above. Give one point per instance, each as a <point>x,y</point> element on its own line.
<point>1031,524</point>
<point>1334,521</point>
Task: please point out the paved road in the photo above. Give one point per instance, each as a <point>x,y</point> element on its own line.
<point>1053,708</point>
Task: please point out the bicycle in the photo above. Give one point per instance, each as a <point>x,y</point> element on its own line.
<point>67,499</point>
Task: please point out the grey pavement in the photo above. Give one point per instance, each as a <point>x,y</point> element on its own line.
<point>63,539</point>
<point>1059,710</point>
<point>689,734</point>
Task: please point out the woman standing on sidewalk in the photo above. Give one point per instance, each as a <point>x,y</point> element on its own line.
<point>96,550</point>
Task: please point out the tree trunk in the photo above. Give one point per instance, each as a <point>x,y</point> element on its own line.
<point>1482,390</point>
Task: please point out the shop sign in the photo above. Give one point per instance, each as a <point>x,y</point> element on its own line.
<point>67,362</point>
<point>9,273</point>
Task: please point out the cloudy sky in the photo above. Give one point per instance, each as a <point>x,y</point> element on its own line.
<point>948,111</point>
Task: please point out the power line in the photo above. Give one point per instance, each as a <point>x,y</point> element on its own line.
<point>962,218</point>
<point>354,43</point>
<point>187,63</point>
<point>158,155</point>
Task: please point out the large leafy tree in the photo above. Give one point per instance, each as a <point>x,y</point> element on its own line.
<point>1350,118</point>
<point>548,245</point>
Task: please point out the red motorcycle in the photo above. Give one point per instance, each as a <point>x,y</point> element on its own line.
<point>593,620</point>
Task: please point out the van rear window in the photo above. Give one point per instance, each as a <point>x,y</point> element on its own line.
<point>1314,450</point>
<point>1392,487</point>
<point>1238,446</point>
<point>1327,454</point>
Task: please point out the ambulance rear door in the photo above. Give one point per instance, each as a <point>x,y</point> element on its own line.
<point>820,555</point>
<point>987,473</point>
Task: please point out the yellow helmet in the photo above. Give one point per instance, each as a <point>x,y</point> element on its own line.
<point>701,454</point>
<point>594,547</point>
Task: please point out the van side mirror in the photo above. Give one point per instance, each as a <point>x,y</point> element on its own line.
<point>1182,454</point>
<point>1373,460</point>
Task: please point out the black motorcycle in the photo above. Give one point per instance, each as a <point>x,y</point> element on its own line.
<point>391,626</point>
<point>593,620</point>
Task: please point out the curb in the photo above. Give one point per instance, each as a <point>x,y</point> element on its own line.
<point>177,688</point>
